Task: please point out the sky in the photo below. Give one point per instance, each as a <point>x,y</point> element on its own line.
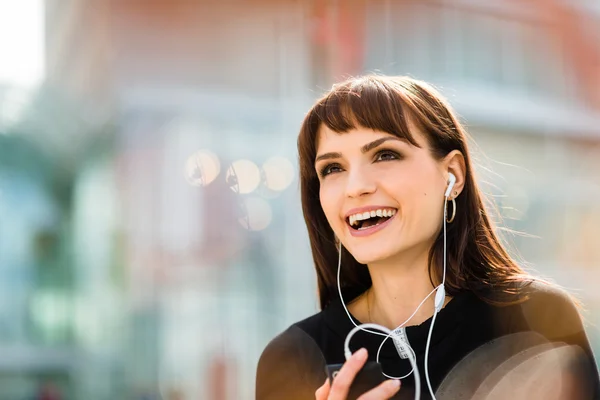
<point>21,42</point>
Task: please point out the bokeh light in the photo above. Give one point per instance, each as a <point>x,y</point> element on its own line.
<point>243,176</point>
<point>202,168</point>
<point>258,214</point>
<point>279,173</point>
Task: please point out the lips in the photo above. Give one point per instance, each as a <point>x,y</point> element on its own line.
<point>365,221</point>
<point>371,229</point>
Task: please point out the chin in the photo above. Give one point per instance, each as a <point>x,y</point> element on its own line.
<point>382,250</point>
<point>371,255</point>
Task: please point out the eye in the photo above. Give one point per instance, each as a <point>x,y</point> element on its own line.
<point>387,155</point>
<point>330,168</point>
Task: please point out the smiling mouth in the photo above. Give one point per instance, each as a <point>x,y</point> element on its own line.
<point>370,219</point>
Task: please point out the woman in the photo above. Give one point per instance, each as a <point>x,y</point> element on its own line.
<point>389,198</point>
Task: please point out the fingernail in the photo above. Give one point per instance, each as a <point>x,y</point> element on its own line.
<point>361,354</point>
<point>393,383</point>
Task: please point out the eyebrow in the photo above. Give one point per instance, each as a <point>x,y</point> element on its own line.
<point>367,147</point>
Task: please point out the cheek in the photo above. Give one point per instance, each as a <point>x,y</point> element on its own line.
<point>421,199</point>
<point>423,183</point>
<point>431,210</point>
<point>413,189</point>
<point>329,202</point>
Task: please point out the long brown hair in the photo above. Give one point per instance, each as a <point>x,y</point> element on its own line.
<point>477,260</point>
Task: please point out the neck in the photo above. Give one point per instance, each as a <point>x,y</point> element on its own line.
<point>399,286</point>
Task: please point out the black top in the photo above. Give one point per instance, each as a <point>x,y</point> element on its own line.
<point>474,345</point>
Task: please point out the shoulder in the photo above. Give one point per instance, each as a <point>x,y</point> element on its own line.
<point>550,310</point>
<point>297,338</point>
<point>292,364</point>
<point>537,328</point>
<point>300,338</point>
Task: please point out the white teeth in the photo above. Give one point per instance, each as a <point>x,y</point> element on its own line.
<point>354,219</point>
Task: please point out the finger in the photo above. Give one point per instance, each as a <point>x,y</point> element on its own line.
<point>323,391</point>
<point>385,390</point>
<point>341,384</point>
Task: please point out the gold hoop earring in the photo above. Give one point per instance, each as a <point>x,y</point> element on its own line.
<point>453,211</point>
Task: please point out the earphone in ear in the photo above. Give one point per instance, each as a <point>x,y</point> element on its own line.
<point>451,182</point>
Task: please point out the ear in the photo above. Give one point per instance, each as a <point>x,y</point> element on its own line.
<point>455,162</point>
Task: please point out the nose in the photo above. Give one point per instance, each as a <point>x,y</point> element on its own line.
<point>360,183</point>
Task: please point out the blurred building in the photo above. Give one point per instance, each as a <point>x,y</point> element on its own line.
<point>179,245</point>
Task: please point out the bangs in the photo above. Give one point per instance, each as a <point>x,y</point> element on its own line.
<point>366,103</point>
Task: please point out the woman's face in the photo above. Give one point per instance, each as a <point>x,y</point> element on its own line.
<point>382,196</point>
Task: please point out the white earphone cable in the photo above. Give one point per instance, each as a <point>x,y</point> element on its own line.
<point>411,354</point>
<point>400,326</point>
<point>438,305</point>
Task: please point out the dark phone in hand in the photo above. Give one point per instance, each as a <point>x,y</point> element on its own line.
<point>367,378</point>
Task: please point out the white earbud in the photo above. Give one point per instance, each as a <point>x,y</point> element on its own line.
<point>451,182</point>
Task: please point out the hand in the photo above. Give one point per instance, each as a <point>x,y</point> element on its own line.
<point>341,384</point>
